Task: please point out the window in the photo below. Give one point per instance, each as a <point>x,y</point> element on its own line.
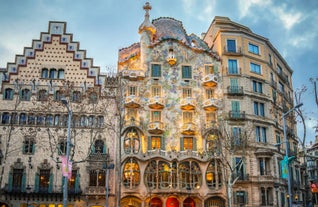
<point>132,91</point>
<point>188,143</point>
<point>253,48</point>
<point>210,117</point>
<point>49,120</point>
<point>97,178</point>
<point>232,67</point>
<point>151,174</point>
<point>57,96</point>
<point>28,146</point>
<point>155,142</point>
<point>236,111</point>
<point>100,121</point>
<point>99,147</point>
<point>22,119</point>
<point>14,118</point>
<point>237,136</point>
<point>239,168</point>
<point>44,180</point>
<point>209,69</point>
<point>214,175</point>
<point>267,196</point>
<point>40,120</point>
<point>73,182</point>
<point>8,94</point>
<point>45,73</point>
<point>240,197</point>
<point>155,91</point>
<point>16,179</point>
<point>5,118</point>
<point>209,93</point>
<point>234,87</point>
<point>281,87</point>
<point>131,174</point>
<point>189,175</point>
<point>186,92</point>
<point>156,116</point>
<point>270,59</point>
<point>259,109</point>
<point>25,95</point>
<point>60,74</point>
<point>257,86</point>
<point>76,95</point>
<point>260,134</point>
<point>53,73</point>
<point>279,69</point>
<point>255,68</point>
<point>186,72</point>
<point>231,46</point>
<point>42,95</point>
<point>155,70</point>
<point>132,141</point>
<point>62,147</point>
<point>93,97</point>
<point>264,166</point>
<point>83,121</point>
<point>57,120</point>
<point>187,117</point>
<point>212,142</point>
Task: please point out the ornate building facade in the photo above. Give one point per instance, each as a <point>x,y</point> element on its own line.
<point>186,121</point>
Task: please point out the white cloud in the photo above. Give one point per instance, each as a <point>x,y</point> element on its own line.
<point>288,18</point>
<point>245,5</point>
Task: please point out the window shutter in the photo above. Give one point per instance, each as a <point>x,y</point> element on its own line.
<point>11,94</point>
<point>37,183</point>
<point>181,144</point>
<point>10,181</point>
<point>194,144</point>
<point>20,94</point>
<point>23,148</point>
<point>51,183</point>
<point>149,142</point>
<point>104,149</point>
<point>33,147</point>
<point>77,183</point>
<point>93,151</point>
<point>23,182</point>
<point>245,197</point>
<point>162,143</point>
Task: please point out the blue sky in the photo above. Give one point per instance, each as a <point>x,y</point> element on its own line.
<point>104,26</point>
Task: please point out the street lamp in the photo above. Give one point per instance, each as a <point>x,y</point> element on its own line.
<point>64,101</point>
<point>290,197</point>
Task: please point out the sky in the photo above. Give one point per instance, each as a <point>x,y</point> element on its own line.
<point>104,26</point>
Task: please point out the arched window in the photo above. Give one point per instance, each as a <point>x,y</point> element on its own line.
<point>97,178</point>
<point>31,119</point>
<point>213,145</point>
<point>42,95</point>
<point>8,94</point>
<point>100,121</point>
<point>28,146</point>
<point>45,73</point>
<point>63,122</point>
<point>60,74</point>
<point>40,120</point>
<point>49,120</point>
<point>14,118</point>
<point>213,175</point>
<point>132,141</point>
<point>151,175</point>
<point>75,121</point>
<point>57,120</point>
<point>22,119</point>
<point>93,97</point>
<point>190,175</point>
<point>53,73</point>
<point>83,121</point>
<point>99,147</point>
<point>131,174</point>
<point>57,96</point>
<point>76,95</point>
<point>91,121</point>
<point>25,94</point>
<point>164,175</point>
<point>5,118</point>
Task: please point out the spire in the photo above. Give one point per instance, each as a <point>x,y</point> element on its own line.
<point>146,25</point>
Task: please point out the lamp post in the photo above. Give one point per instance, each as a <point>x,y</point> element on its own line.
<point>64,101</point>
<point>28,190</point>
<point>290,198</point>
<point>107,167</point>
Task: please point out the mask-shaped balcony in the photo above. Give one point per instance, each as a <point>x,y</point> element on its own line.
<point>210,80</point>
<point>187,103</point>
<point>189,129</point>
<point>133,74</point>
<point>211,104</point>
<point>156,127</point>
<point>156,103</point>
<point>132,101</point>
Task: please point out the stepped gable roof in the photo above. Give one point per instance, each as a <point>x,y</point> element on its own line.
<point>170,28</point>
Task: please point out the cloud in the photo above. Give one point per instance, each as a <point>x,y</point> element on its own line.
<point>288,18</point>
<point>245,6</point>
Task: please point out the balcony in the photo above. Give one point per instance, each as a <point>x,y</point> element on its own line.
<point>237,115</point>
<point>211,104</point>
<point>187,103</point>
<point>156,103</point>
<point>132,101</point>
<point>236,51</point>
<point>156,127</point>
<point>189,129</point>
<point>235,90</point>
<point>133,75</point>
<point>282,76</point>
<point>210,80</point>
